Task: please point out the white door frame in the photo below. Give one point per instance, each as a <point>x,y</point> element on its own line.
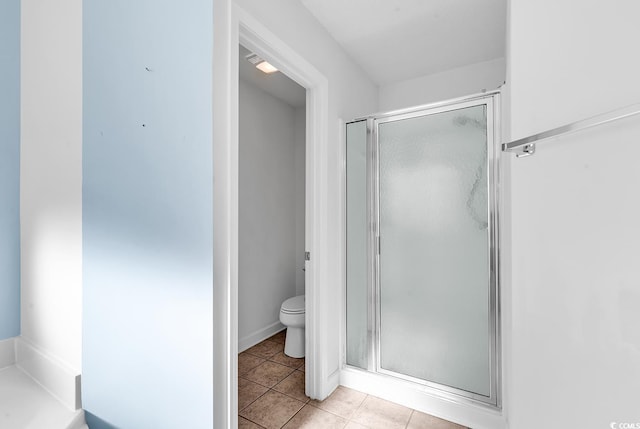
<point>232,26</point>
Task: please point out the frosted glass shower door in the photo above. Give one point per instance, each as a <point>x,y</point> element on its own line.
<point>434,276</point>
<point>357,317</point>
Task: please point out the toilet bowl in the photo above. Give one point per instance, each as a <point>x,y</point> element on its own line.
<point>292,316</point>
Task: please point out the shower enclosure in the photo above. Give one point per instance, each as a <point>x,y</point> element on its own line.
<point>422,247</point>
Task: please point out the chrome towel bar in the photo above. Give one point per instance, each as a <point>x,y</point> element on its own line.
<point>527,146</point>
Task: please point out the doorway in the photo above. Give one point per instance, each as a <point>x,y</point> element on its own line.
<point>271,192</point>
<point>271,237</point>
<point>243,29</point>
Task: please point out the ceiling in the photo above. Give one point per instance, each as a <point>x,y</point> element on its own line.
<point>395,40</point>
<point>276,84</point>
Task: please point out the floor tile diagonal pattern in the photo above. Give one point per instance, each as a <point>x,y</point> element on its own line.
<point>271,396</point>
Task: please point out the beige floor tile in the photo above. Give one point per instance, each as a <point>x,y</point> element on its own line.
<point>272,410</point>
<point>377,413</point>
<point>248,391</point>
<point>246,424</point>
<point>268,373</point>
<point>247,362</point>
<point>354,425</point>
<point>266,349</point>
<point>314,418</point>
<point>293,386</point>
<point>425,421</point>
<point>283,359</point>
<point>279,337</point>
<point>343,402</point>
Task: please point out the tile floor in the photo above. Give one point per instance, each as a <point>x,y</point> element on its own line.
<point>271,395</point>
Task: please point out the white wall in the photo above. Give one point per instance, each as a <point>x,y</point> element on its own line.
<point>573,344</point>
<point>299,184</point>
<point>51,177</point>
<point>351,94</point>
<point>579,66</point>
<point>458,82</point>
<point>268,203</point>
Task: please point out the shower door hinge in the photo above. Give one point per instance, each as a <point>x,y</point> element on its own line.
<point>307,256</point>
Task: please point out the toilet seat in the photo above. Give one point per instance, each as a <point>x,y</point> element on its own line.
<point>293,305</point>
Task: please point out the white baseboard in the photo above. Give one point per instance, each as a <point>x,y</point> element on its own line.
<point>259,335</point>
<point>7,352</point>
<point>414,396</point>
<point>78,421</point>
<point>56,378</point>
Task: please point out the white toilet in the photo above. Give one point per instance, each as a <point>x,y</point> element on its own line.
<point>292,316</point>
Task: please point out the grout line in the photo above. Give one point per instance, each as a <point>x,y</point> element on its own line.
<point>327,411</point>
<point>249,370</point>
<point>348,419</point>
<point>246,406</point>
<point>259,384</point>
<point>285,423</point>
<point>260,426</point>
<point>410,415</point>
<point>361,403</point>
<point>261,357</point>
<point>286,394</point>
<point>355,412</point>
<point>271,389</point>
<point>308,401</point>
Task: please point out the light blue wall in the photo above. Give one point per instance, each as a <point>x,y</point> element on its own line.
<point>147,214</point>
<point>9,168</point>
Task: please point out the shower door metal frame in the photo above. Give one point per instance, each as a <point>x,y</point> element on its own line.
<point>492,102</point>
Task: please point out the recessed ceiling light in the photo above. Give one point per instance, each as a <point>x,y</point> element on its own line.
<point>266,67</point>
<point>261,64</point>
